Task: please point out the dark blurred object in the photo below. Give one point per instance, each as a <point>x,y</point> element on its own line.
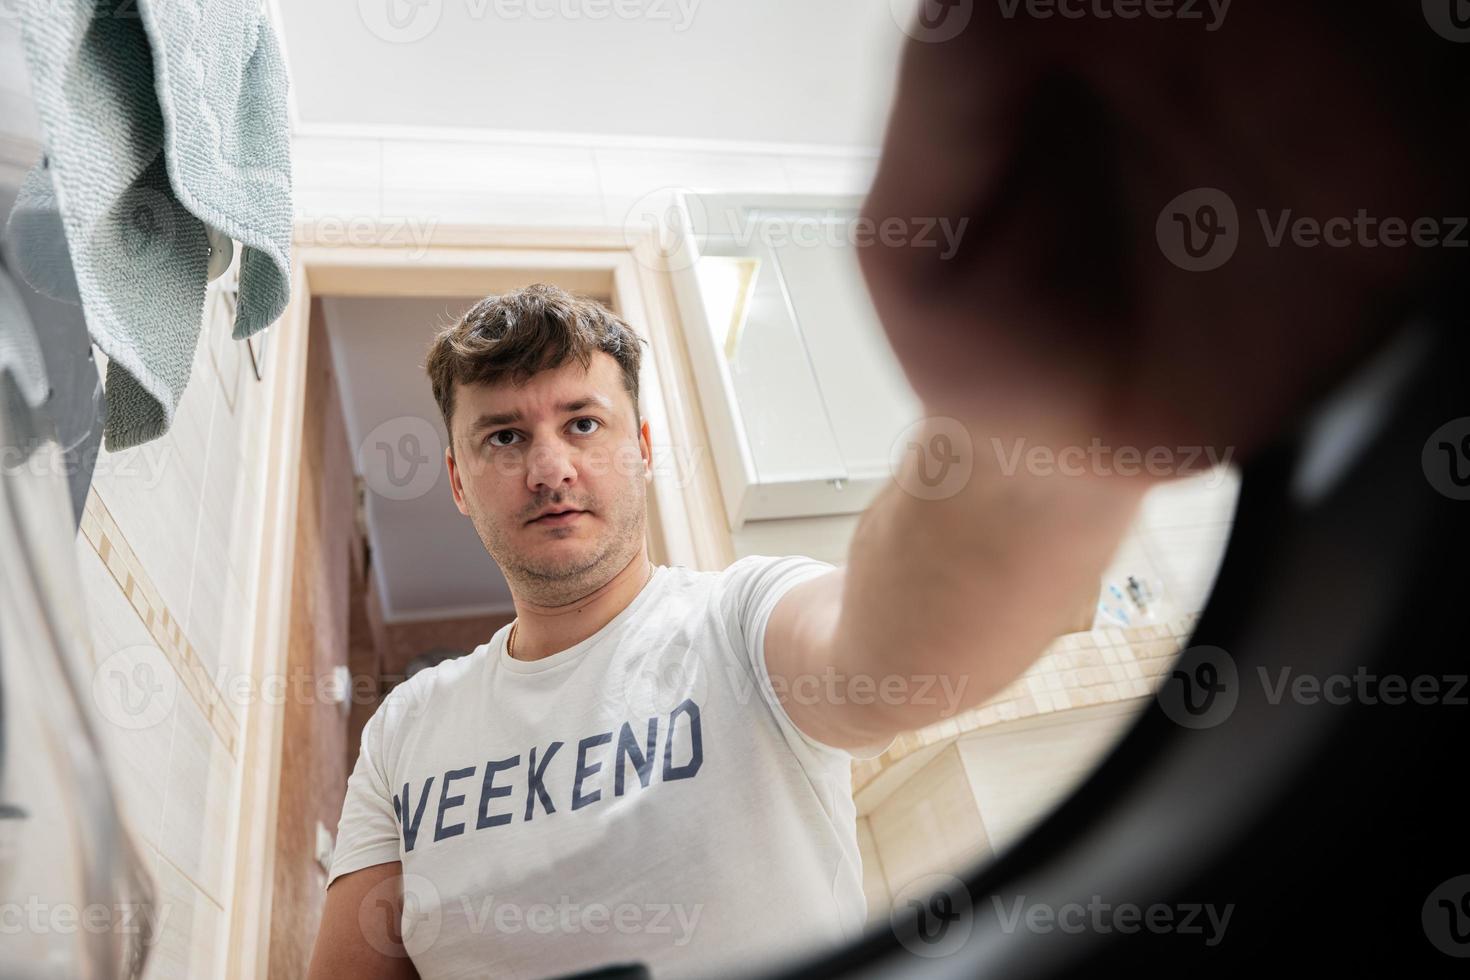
<point>77,404</point>
<point>620,971</point>
<point>1333,830</point>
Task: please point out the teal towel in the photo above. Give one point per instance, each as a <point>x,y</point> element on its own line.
<point>160,123</point>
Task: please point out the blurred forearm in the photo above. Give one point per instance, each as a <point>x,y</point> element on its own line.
<point>972,587</point>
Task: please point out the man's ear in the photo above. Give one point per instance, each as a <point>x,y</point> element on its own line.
<point>455,486</point>
<point>645,448</point>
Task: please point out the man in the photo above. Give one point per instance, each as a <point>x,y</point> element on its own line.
<point>615,776</point>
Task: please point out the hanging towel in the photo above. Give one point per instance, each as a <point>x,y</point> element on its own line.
<point>162,124</point>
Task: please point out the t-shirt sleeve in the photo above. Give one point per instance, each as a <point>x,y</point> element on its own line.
<point>753,586</point>
<point>367,832</point>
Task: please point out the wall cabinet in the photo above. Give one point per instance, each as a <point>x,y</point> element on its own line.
<point>802,394</point>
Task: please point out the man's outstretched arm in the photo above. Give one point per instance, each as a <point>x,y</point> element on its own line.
<point>943,602</point>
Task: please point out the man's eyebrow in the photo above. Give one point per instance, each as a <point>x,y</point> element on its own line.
<point>489,419</point>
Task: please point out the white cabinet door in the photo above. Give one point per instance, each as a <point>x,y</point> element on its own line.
<point>801,392</point>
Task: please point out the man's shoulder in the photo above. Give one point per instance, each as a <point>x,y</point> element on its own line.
<point>414,695</point>
<point>763,570</point>
<point>748,566</point>
<point>749,572</point>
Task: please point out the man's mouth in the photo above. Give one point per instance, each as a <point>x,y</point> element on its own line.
<point>562,517</point>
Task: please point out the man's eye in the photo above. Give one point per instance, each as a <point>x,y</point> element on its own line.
<point>494,438</point>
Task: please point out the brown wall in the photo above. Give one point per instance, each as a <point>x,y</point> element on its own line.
<point>366,641</point>
<point>407,640</point>
<point>314,762</point>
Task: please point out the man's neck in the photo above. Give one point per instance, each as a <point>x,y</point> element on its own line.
<point>541,631</point>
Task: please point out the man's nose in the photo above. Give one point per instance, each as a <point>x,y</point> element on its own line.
<point>551,466</point>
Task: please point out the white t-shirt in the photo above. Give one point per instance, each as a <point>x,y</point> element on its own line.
<point>640,796</point>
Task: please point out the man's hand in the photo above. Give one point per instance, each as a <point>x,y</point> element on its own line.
<point>1060,145</point>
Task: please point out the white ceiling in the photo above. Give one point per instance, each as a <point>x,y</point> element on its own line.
<point>812,72</point>
<point>428,559</point>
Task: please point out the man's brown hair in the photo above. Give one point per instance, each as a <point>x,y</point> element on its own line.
<point>518,334</point>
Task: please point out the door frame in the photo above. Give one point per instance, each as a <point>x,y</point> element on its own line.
<point>687,523</point>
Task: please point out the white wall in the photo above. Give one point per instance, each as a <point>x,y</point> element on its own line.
<point>457,177</point>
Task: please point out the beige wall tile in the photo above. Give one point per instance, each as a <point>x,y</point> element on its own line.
<point>153,496</point>
<point>1018,775</point>
<point>205,619</point>
<point>231,491</point>
<point>189,929</point>
<point>236,621</point>
<point>929,825</point>
<point>198,802</point>
<point>136,745</point>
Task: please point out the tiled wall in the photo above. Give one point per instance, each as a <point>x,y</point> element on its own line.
<point>166,553</point>
<point>1178,540</point>
<point>977,795</point>
<point>954,793</point>
<point>932,825</point>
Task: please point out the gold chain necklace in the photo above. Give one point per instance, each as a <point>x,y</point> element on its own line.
<point>510,641</point>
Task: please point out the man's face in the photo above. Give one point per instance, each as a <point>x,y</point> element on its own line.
<point>566,439</point>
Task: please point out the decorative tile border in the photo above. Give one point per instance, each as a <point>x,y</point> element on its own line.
<point>102,533</point>
<point>1096,667</point>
